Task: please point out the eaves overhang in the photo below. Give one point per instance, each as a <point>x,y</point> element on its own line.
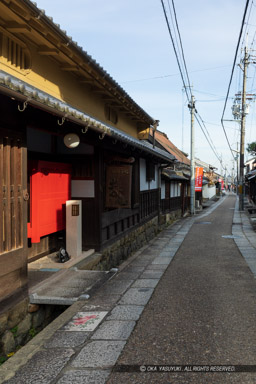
<point>101,76</point>
<point>29,95</point>
<point>173,175</point>
<point>251,175</point>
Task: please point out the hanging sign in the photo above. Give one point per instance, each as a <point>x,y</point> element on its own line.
<point>199,179</point>
<point>118,186</point>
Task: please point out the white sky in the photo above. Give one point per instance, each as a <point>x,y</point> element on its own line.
<point>131,41</point>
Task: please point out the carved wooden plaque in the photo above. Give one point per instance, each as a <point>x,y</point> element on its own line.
<point>118,186</point>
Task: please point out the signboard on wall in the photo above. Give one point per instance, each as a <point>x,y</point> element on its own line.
<point>199,179</point>
<point>118,186</point>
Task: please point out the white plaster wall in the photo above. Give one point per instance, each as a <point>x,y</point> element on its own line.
<point>209,191</point>
<point>172,189</point>
<point>163,189</point>
<point>154,183</point>
<point>179,189</point>
<point>175,189</point>
<point>143,183</point>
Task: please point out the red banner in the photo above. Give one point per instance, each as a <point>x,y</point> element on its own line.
<point>222,183</point>
<point>199,179</point>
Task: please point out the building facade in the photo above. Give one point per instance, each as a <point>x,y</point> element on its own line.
<point>68,132</point>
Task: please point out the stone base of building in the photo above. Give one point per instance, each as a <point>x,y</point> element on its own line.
<point>119,251</point>
<point>22,322</point>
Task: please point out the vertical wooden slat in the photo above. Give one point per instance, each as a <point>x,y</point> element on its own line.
<point>24,204</point>
<point>14,53</point>
<point>9,49</point>
<point>22,63</point>
<point>19,222</point>
<point>7,205</point>
<point>12,200</point>
<point>14,194</point>
<point>18,48</point>
<point>1,195</point>
<point>8,193</point>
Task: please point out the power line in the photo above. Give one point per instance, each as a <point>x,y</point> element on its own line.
<point>174,74</point>
<point>186,71</point>
<point>232,73</point>
<point>175,35</point>
<point>181,45</point>
<point>209,140</point>
<point>175,51</point>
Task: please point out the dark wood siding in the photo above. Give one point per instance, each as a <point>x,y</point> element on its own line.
<point>171,204</point>
<point>13,217</point>
<point>149,203</point>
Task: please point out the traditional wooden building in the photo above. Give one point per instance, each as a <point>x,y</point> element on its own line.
<point>175,179</point>
<point>68,131</point>
<point>250,178</point>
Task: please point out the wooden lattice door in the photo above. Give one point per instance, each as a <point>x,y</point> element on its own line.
<point>13,212</point>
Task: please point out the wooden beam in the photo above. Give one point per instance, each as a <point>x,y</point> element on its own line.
<point>20,11</point>
<point>37,26</point>
<point>108,98</point>
<point>116,105</point>
<point>98,90</point>
<point>69,68</point>
<point>44,50</point>
<point>17,28</point>
<point>86,81</point>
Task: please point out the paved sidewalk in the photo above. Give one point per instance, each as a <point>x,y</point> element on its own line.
<point>200,309</point>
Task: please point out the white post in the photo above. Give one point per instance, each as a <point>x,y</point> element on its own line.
<point>74,227</point>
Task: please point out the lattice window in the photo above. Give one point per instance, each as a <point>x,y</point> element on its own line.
<point>14,53</point>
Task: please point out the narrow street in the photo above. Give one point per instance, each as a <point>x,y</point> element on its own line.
<point>203,311</point>
<point>188,298</point>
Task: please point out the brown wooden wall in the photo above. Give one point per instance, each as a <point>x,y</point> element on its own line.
<point>13,215</point>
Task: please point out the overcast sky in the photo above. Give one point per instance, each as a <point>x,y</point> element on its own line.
<point>130,40</point>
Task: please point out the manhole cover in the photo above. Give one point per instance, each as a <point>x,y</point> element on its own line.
<point>203,222</point>
<point>230,237</point>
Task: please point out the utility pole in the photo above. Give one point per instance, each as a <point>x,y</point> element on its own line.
<point>192,161</point>
<point>237,166</point>
<point>243,115</point>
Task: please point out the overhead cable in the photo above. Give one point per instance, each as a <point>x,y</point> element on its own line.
<point>232,73</point>
<point>181,45</point>
<point>186,71</point>
<point>175,51</point>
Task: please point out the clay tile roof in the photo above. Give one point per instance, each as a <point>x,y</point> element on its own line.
<point>171,148</point>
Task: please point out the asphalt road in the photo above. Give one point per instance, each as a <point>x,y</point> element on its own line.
<point>203,311</point>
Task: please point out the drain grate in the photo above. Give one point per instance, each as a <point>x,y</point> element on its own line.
<point>230,237</point>
<point>203,222</point>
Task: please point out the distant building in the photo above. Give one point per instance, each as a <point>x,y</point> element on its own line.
<point>209,181</point>
<point>175,179</point>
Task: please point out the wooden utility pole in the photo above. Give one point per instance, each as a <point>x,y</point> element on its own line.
<point>243,115</point>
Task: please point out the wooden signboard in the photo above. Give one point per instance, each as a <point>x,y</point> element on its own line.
<point>118,186</point>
